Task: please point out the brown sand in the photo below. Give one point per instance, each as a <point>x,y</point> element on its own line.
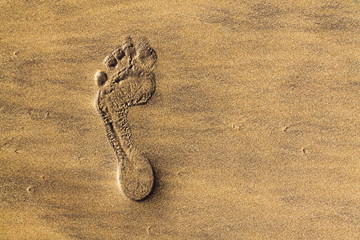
<point>253,130</point>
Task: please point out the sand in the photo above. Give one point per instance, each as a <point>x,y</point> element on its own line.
<point>252,131</point>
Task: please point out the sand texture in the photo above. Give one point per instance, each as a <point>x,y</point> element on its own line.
<point>246,127</point>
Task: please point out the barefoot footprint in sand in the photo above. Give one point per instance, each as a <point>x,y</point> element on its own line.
<point>132,82</point>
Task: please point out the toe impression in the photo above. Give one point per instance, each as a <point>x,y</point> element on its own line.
<point>100,78</point>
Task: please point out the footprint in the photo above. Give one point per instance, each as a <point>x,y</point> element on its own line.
<point>132,82</point>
